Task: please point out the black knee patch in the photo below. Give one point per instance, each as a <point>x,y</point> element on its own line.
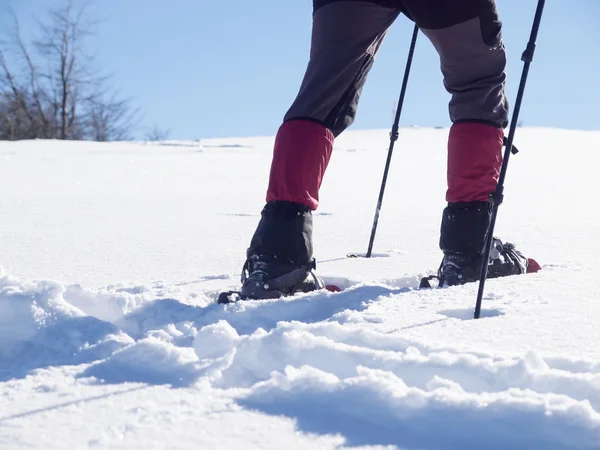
<point>464,227</point>
<point>343,113</point>
<point>491,26</point>
<point>284,234</point>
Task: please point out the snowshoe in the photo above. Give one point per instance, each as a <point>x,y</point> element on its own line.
<point>504,260</point>
<point>266,280</point>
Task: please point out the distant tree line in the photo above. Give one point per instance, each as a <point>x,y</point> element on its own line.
<point>50,89</point>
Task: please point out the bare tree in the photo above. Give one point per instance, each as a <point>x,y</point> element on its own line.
<point>157,134</point>
<point>108,118</point>
<point>16,98</point>
<point>56,91</point>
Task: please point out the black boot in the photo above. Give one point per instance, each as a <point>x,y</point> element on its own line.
<point>463,235</point>
<point>280,257</point>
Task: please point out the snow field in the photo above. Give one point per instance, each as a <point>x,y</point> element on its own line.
<point>110,336</point>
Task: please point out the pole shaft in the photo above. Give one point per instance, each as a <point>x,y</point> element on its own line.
<point>498,195</point>
<point>393,138</point>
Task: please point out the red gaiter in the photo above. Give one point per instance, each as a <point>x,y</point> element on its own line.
<point>474,161</point>
<point>300,157</point>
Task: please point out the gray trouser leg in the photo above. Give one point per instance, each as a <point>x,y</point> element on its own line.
<point>346,36</point>
<point>474,73</point>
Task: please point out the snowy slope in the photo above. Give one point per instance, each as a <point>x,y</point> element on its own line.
<point>113,255</point>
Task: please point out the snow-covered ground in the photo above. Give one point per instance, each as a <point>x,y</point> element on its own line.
<point>113,255</point>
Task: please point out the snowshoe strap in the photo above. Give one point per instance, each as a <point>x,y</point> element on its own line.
<point>292,281</point>
<point>505,260</point>
<point>425,281</point>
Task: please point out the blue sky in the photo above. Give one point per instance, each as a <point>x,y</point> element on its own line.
<point>205,68</point>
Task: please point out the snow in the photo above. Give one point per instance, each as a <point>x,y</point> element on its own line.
<point>113,256</point>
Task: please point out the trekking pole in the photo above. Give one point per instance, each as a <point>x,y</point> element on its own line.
<point>393,138</point>
<point>498,195</point>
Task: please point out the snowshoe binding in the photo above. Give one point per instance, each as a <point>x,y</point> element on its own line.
<point>505,260</point>
<point>267,280</point>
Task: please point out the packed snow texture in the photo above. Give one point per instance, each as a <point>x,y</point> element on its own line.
<point>110,336</point>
